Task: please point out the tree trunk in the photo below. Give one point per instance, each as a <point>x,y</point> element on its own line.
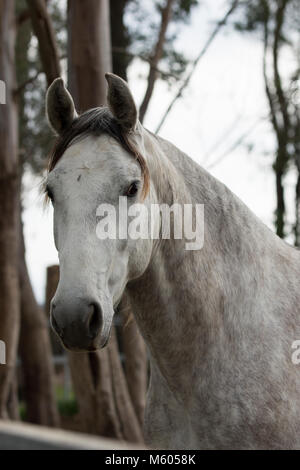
<point>285,128</point>
<point>91,377</point>
<point>136,362</point>
<point>13,400</point>
<point>297,206</point>
<point>35,348</point>
<point>130,426</point>
<point>280,208</point>
<point>296,138</point>
<point>36,355</point>
<point>278,106</point>
<point>120,39</point>
<point>89,51</point>
<point>9,205</point>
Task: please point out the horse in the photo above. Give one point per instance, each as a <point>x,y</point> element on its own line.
<point>219,322</point>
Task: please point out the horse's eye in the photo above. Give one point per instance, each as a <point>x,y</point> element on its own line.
<point>132,190</point>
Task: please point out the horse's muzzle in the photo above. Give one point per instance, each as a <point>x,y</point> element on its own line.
<point>78,323</point>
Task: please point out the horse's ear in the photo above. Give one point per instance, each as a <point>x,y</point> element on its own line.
<point>121,102</point>
<point>60,107</point>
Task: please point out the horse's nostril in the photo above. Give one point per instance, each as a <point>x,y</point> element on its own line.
<point>94,320</point>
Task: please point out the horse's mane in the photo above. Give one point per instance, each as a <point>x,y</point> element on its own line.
<point>95,122</point>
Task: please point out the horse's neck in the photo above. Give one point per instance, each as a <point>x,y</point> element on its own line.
<point>187,299</point>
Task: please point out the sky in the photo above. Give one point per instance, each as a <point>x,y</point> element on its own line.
<point>224,104</point>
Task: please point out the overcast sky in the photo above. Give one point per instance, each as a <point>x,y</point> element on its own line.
<point>225,101</point>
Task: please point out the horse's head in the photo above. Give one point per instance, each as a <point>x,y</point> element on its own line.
<point>97,158</point>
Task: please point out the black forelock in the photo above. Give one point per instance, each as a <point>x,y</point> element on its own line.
<point>94,122</point>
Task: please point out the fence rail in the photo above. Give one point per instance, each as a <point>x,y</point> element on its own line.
<point>19,436</point>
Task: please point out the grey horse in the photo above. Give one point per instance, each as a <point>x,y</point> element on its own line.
<point>219,322</point>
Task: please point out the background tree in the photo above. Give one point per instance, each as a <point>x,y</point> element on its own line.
<point>278,24</point>
<point>150,36</point>
<point>9,205</point>
<point>35,349</point>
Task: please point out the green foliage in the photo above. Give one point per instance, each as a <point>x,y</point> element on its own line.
<point>22,410</point>
<point>183,8</point>
<point>253,15</point>
<point>67,406</point>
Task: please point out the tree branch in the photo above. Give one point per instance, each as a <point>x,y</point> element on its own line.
<point>218,27</point>
<point>121,50</point>
<point>280,13</point>
<point>270,97</point>
<point>23,85</point>
<point>235,145</point>
<point>157,55</point>
<point>32,79</point>
<point>282,131</point>
<point>43,29</point>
